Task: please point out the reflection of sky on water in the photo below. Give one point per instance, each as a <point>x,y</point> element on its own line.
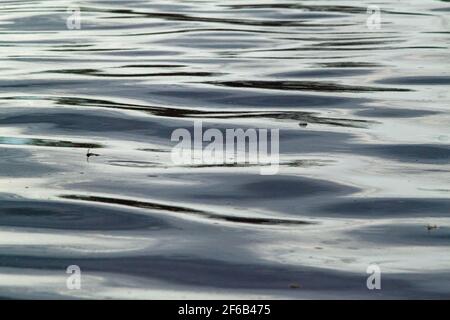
<point>364,149</point>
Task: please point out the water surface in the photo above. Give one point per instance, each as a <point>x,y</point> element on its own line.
<point>364,119</point>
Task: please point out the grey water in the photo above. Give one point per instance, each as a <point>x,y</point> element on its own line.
<point>364,177</point>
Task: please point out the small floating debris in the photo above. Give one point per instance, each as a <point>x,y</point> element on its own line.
<point>431,227</point>
<point>91,154</point>
<point>294,285</point>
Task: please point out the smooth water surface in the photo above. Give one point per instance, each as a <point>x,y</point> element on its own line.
<point>364,119</point>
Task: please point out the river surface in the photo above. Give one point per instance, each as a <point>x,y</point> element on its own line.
<point>364,177</point>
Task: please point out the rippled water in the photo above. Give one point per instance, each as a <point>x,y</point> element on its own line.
<point>364,119</point>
